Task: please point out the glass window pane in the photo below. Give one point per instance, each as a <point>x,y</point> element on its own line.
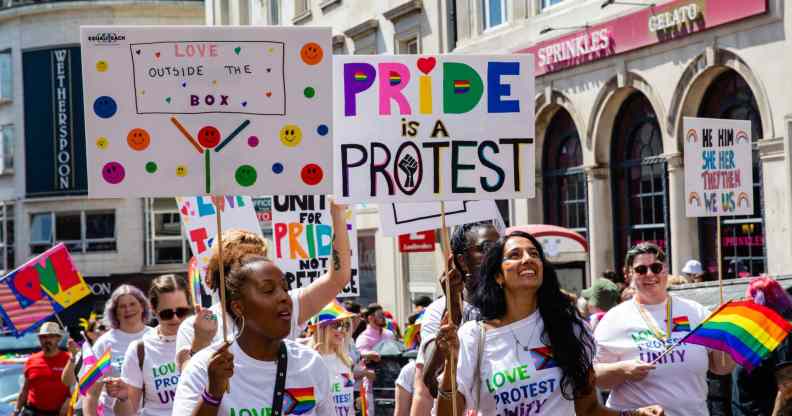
<point>495,12</point>
<point>67,226</point>
<point>6,75</point>
<point>168,252</point>
<point>100,225</point>
<point>8,135</point>
<point>167,224</point>
<point>41,228</point>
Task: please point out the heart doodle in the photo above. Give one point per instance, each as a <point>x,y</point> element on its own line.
<point>137,51</point>
<point>237,50</point>
<point>426,65</point>
<point>244,103</point>
<point>157,54</point>
<point>269,93</point>
<point>168,99</point>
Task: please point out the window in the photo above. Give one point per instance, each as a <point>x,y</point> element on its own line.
<point>564,182</point>
<point>494,13</point>
<point>640,181</point>
<point>7,235</point>
<point>8,137</point>
<point>164,241</point>
<point>80,231</point>
<point>274,12</point>
<point>6,76</point>
<point>742,237</point>
<point>301,7</point>
<point>409,46</point>
<point>547,3</point>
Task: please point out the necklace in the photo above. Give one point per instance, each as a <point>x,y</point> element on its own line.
<point>650,322</point>
<point>525,348</point>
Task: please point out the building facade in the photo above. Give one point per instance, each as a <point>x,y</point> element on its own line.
<point>43,176</point>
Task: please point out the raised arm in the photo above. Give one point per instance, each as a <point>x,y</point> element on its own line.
<point>323,290</point>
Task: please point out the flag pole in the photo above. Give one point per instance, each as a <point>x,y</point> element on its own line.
<point>445,246</point>
<point>219,202</point>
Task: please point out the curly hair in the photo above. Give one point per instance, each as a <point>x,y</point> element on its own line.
<point>110,312</point>
<point>564,329</point>
<point>766,291</point>
<point>237,244</point>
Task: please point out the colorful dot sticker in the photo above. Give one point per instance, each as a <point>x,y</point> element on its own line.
<point>138,139</point>
<point>311,53</point>
<point>253,141</point>
<point>245,175</point>
<point>322,130</point>
<point>102,143</point>
<point>151,167</point>
<point>181,171</point>
<point>290,135</point>
<point>277,168</point>
<point>311,174</point>
<point>105,107</point>
<point>309,92</point>
<point>209,137</point>
<point>101,66</point>
<point>113,173</point>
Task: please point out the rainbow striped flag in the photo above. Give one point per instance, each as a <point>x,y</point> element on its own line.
<point>99,369</point>
<point>391,326</point>
<point>360,76</point>
<point>411,336</point>
<point>364,386</point>
<point>744,329</point>
<point>394,78</point>
<point>543,358</point>
<point>461,86</point>
<point>299,400</point>
<point>194,274</point>
<point>680,323</point>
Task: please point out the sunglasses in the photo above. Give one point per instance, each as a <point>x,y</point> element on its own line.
<point>168,314</point>
<point>654,267</point>
<point>340,326</point>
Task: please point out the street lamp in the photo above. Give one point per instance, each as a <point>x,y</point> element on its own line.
<point>607,3</point>
<point>550,29</point>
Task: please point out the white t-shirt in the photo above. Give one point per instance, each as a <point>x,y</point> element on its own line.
<point>513,381</point>
<point>117,341</point>
<point>407,377</point>
<point>679,383</point>
<point>342,386</point>
<point>307,390</point>
<point>186,334</point>
<point>159,374</point>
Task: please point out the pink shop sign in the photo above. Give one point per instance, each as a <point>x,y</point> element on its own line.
<point>664,22</point>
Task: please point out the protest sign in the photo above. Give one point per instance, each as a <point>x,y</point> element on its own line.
<point>409,217</point>
<point>200,226</point>
<point>302,231</point>
<point>43,286</point>
<point>193,110</point>
<point>433,128</point>
<point>718,167</point>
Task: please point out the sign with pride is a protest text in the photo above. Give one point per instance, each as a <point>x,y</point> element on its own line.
<point>433,128</point>
<point>718,167</point>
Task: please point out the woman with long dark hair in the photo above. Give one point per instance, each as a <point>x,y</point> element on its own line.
<point>532,352</point>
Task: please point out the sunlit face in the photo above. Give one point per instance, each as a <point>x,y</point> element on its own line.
<point>337,332</point>
<point>172,304</point>
<point>649,282</point>
<point>129,310</point>
<point>522,267</point>
<point>265,302</point>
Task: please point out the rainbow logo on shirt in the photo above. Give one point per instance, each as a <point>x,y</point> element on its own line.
<point>299,400</point>
<point>461,86</point>
<point>543,358</point>
<point>394,78</point>
<point>349,379</point>
<point>680,323</point>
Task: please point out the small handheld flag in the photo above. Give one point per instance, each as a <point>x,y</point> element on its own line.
<point>100,368</point>
<point>194,273</point>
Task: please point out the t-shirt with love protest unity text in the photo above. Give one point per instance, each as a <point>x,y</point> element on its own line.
<point>679,383</point>
<point>342,385</point>
<point>159,376</point>
<point>307,390</point>
<point>514,380</point>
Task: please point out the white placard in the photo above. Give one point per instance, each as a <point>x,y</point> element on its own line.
<point>430,128</point>
<point>718,167</point>
<point>409,217</point>
<point>302,232</point>
<point>199,220</point>
<point>195,110</point>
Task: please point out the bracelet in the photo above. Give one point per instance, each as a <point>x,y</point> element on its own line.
<point>444,394</point>
<point>627,413</point>
<point>211,400</point>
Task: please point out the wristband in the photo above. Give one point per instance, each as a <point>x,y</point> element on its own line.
<point>627,413</point>
<point>210,400</point>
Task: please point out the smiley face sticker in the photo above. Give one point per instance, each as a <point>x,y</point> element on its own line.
<point>102,143</point>
<point>290,135</point>
<point>101,66</point>
<point>138,139</point>
<point>311,174</point>
<point>245,175</point>
<point>209,136</point>
<point>181,171</point>
<point>311,53</point>
<point>113,173</point>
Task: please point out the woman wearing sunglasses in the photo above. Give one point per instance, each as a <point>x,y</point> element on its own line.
<point>331,327</point>
<point>149,376</point>
<point>532,352</point>
<point>633,334</point>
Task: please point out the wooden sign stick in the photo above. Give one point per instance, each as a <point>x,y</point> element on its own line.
<point>445,246</point>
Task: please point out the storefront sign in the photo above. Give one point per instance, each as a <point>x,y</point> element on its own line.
<point>645,27</point>
<point>423,242</point>
<point>54,131</point>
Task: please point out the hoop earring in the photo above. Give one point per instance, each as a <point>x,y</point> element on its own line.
<point>240,328</point>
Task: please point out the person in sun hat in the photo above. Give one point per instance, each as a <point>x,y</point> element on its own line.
<point>43,393</point>
<point>693,271</point>
<point>331,331</point>
<point>600,297</point>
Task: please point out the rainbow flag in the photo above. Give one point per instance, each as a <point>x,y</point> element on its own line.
<point>349,379</point>
<point>394,78</point>
<point>391,326</point>
<point>461,86</point>
<point>99,369</point>
<point>744,329</point>
<point>680,324</point>
<point>543,358</point>
<point>194,274</point>
<point>411,336</point>
<point>360,76</point>
<point>299,400</point>
<point>364,386</point>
